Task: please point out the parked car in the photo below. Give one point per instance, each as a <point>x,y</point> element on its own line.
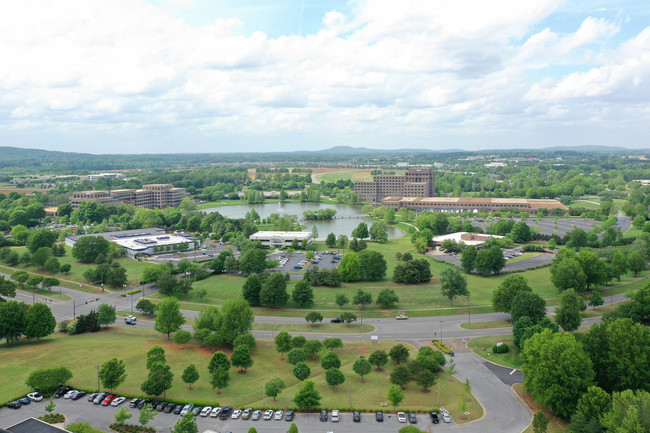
<point>445,416</point>
<point>170,407</point>
<point>161,407</point>
<point>154,404</point>
<point>134,402</point>
<point>401,417</point>
<point>246,413</point>
<point>278,415</point>
<point>187,408</point>
<point>236,414</point>
<point>323,415</point>
<point>289,415</point>
<point>215,412</point>
<point>78,395</point>
<point>225,413</point>
<point>256,415</point>
<point>268,414</point>
<point>93,396</point>
<point>196,411</point>
<point>356,416</point>
<point>34,396</point>
<point>413,419</point>
<point>434,417</point>
<point>14,405</point>
<point>118,401</point>
<point>178,409</point>
<point>24,401</point>
<point>335,415</point>
<point>100,398</point>
<point>142,403</point>
<point>206,411</point>
<point>62,391</point>
<point>108,400</point>
<point>336,320</point>
<point>402,317</point>
<point>70,393</point>
<point>379,416</point>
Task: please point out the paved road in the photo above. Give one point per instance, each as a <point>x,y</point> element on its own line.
<point>538,260</point>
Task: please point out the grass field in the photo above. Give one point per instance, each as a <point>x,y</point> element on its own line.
<point>333,176</point>
<point>482,346</point>
<point>330,328</point>
<point>487,325</point>
<point>81,353</point>
<point>524,256</point>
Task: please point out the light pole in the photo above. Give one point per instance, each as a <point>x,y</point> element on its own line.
<point>469,309</point>
<point>263,393</point>
<point>98,389</point>
<point>131,303</point>
<point>350,381</point>
<point>438,392</point>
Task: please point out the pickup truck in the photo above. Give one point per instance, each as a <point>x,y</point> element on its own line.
<point>130,320</point>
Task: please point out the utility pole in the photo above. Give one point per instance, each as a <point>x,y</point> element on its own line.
<point>263,393</point>
<point>469,309</point>
<point>350,381</point>
<point>98,389</point>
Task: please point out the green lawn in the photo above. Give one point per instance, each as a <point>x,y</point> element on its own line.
<point>344,175</point>
<point>487,325</point>
<point>524,256</point>
<point>482,346</point>
<point>81,353</point>
<point>330,328</point>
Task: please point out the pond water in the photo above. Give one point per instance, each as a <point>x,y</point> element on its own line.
<point>347,217</point>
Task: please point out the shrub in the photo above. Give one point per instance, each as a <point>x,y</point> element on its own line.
<point>52,418</point>
<point>442,346</point>
<point>500,348</point>
<point>63,326</point>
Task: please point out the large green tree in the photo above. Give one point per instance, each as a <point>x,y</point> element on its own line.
<point>350,268</point>
<point>87,248</point>
<point>241,357</point>
<point>274,387</point>
<point>106,314</point>
<point>372,265</point>
<point>567,272</point>
<point>159,379</point>
<point>169,318</point>
<point>283,343</point>
<point>629,413</point>
<point>301,371</point>
<point>40,321</point>
<point>251,290</point>
<point>334,377</point>
<point>330,360</point>
<point>190,375</point>
<point>186,424</point>
<point>528,304</point>
<point>387,298</point>
<point>362,367</point>
<point>453,284</point>
<point>399,353</point>
<point>303,294</point>
<point>307,396</point>
<point>395,394</point>
<point>593,267</point>
<point>274,291</point>
<point>112,373</point>
<point>252,261</point>
<point>12,320</point>
<point>468,258</point>
<point>379,232</point>
<point>219,361</point>
<point>378,358</point>
<point>509,288</point>
<point>567,314</point>
<point>236,318</point>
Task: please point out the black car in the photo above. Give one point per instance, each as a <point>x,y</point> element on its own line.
<point>170,407</point>
<point>323,415</point>
<point>434,417</point>
<point>225,413</point>
<point>161,406</point>
<point>178,409</point>
<point>356,416</point>
<point>14,405</point>
<point>62,391</point>
<point>154,404</point>
<point>24,401</point>
<point>289,415</point>
<point>379,416</point>
<point>134,402</point>
<point>142,402</point>
<point>78,395</point>
<point>336,320</point>
<point>413,419</point>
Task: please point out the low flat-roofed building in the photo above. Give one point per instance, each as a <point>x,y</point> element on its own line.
<point>280,239</point>
<point>34,425</point>
<point>468,238</point>
<point>141,242</point>
<point>471,204</point>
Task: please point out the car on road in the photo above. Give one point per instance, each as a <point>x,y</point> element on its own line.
<point>170,407</point>
<point>236,414</point>
<point>225,413</point>
<point>62,391</point>
<point>118,401</point>
<point>24,401</point>
<point>335,416</point>
<point>34,396</point>
<point>379,416</point>
<point>356,416</point>
<point>323,415</point>
<point>278,415</point>
<point>401,417</point>
<point>178,409</point>
<point>246,413</point>
<point>14,404</point>
<point>268,414</point>
<point>215,412</point>
<point>77,395</point>
<point>289,415</point>
<point>70,393</point>
<point>196,411</point>
<point>413,419</point>
<point>401,317</point>
<point>256,415</point>
<point>206,411</point>
<point>187,408</point>
<point>434,417</point>
<point>336,320</point>
<point>130,320</point>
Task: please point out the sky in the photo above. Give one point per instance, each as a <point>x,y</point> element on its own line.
<point>171,76</point>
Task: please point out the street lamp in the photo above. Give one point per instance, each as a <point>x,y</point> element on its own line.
<point>469,309</point>
<point>263,393</point>
<point>350,381</point>
<point>131,303</point>
<point>98,389</point>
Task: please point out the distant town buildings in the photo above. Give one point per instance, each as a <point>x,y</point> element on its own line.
<point>150,196</point>
<point>416,182</point>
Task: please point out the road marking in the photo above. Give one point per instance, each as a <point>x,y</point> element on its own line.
<point>513,371</point>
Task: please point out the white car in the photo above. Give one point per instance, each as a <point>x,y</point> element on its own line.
<point>279,414</point>
<point>187,408</point>
<point>256,415</point>
<point>70,393</point>
<point>215,412</point>
<point>402,317</point>
<point>34,396</point>
<point>206,411</point>
<point>246,413</point>
<point>268,414</point>
<point>335,416</point>
<point>118,401</point>
<point>445,416</point>
<point>236,414</point>
<point>401,417</point>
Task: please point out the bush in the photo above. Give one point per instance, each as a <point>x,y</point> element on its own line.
<point>130,428</point>
<point>52,418</point>
<point>500,348</point>
<point>63,326</point>
<point>442,346</point>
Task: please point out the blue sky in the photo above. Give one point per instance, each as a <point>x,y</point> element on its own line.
<point>149,76</point>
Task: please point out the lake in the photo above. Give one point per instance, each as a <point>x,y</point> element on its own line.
<point>347,217</point>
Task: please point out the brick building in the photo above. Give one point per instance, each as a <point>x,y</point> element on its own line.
<point>416,182</point>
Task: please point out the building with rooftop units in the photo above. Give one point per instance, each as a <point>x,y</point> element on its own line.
<point>276,239</point>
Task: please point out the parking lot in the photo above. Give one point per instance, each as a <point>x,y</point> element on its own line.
<point>103,416</point>
<point>289,261</point>
<point>530,262</point>
<point>564,225</point>
<point>208,251</point>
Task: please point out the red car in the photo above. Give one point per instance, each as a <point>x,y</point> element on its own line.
<point>108,400</point>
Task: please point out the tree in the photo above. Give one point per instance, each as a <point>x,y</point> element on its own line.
<point>341,300</point>
<point>7,288</point>
<point>412,272</point>
<point>540,422</point>
<point>330,241</point>
<point>283,343</point>
<point>146,307</point>
<point>528,304</point>
<point>112,373</point>
<point>293,428</point>
<point>298,342</point>
<point>555,381</point>
<point>302,294</point>
<point>219,379</point>
<point>362,298</point>
<point>50,406</point>
<point>49,282</point>
<point>252,261</point>
<point>274,291</point>
<point>12,320</point>
<point>425,379</point>
<point>296,355</point>
<point>333,343</point>
<point>190,375</point>
<point>378,232</point>
<point>47,380</point>
<point>361,232</point>
<point>40,321</point>
<point>468,258</point>
<point>122,415</point>
<point>593,267</point>
<point>40,238</point>
<point>637,262</point>
<point>146,414</point>
<point>372,265</point>
<point>106,314</point>
<point>378,358</point>
<point>520,232</point>
<point>399,353</point>
<point>182,337</point>
<point>401,375</point>
<point>361,367</point>
<point>307,396</point>
<point>595,299</point>
<point>330,360</point>
<point>89,247</point>
<point>349,268</point>
<point>236,319</point>
<point>387,298</point>
<point>620,264</point>
<point>497,260</point>
<point>567,273</point>
<point>40,257</point>
<point>348,317</point>
<point>509,288</point>
<point>593,403</point>
<point>65,268</point>
<point>567,315</point>
<point>395,394</point>
<point>34,280</point>
<point>629,413</point>
<point>219,361</point>
<point>186,424</point>
<point>52,265</point>
<point>453,284</point>
<point>312,347</point>
<point>169,318</point>
<point>251,290</point>
<point>274,387</point>
<point>241,357</point>
<point>155,354</point>
<point>245,340</point>
<point>301,371</point>
<point>314,317</point>
<point>159,379</point>
<point>334,377</point>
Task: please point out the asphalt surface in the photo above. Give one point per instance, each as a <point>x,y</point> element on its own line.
<point>541,259</point>
<point>547,225</point>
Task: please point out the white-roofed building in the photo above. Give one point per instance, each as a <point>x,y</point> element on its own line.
<point>281,239</point>
<point>474,239</point>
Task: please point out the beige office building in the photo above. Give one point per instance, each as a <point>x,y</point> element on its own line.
<point>416,182</point>
<point>150,196</point>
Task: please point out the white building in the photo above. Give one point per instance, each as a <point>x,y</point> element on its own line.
<point>475,239</point>
<point>280,239</point>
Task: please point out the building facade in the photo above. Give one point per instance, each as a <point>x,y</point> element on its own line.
<point>471,204</point>
<point>416,182</point>
<point>150,196</point>
<point>280,239</point>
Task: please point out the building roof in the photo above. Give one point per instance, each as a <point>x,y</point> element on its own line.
<point>280,235</point>
<point>467,238</point>
<point>123,234</point>
<point>33,425</point>
<point>533,203</point>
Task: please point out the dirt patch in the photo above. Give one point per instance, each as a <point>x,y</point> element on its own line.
<point>457,345</point>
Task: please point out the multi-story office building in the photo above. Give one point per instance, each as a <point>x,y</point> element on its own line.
<point>416,182</point>
<point>150,196</point>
